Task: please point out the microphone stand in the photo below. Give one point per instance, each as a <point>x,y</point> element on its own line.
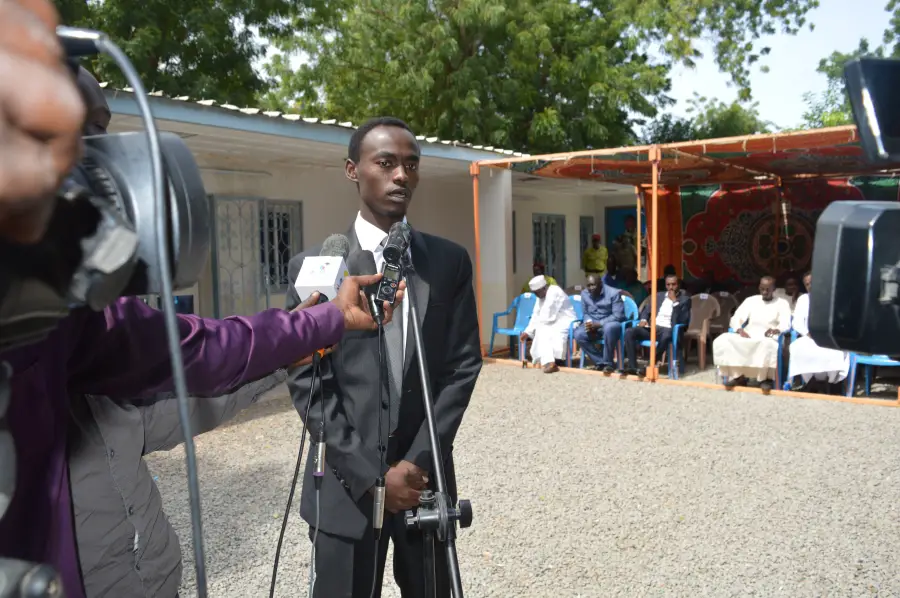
<point>436,517</point>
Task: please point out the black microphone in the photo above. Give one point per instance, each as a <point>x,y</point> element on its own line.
<point>397,243</point>
<point>362,263</point>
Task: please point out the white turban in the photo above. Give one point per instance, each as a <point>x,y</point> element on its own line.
<point>537,283</point>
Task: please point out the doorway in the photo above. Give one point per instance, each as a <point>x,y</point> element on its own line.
<point>615,226</point>
<point>549,244</point>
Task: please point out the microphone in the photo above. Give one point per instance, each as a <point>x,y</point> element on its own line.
<point>397,243</point>
<point>362,263</point>
<point>324,273</point>
<point>396,247</point>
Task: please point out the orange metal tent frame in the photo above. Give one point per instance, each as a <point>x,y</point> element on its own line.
<point>756,159</point>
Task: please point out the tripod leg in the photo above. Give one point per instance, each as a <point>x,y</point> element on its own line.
<point>428,556</point>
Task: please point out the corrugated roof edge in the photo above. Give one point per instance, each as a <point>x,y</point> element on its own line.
<point>309,120</point>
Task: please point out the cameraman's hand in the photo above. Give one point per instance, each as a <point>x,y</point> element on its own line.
<point>353,303</point>
<point>41,115</point>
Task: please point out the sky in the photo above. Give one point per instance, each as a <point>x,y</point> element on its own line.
<point>839,24</point>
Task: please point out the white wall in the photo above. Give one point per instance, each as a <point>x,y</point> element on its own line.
<point>442,206</point>
<point>532,201</point>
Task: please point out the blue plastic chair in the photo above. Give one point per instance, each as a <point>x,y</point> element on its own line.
<point>631,312</point>
<point>523,305</point>
<point>779,371</point>
<point>869,361</point>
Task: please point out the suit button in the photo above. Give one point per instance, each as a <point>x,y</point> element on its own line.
<point>385,404</point>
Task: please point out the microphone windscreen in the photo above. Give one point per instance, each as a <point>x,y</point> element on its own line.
<point>362,263</point>
<point>336,245</point>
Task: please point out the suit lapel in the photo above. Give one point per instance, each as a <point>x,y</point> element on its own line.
<point>418,278</point>
<point>354,240</point>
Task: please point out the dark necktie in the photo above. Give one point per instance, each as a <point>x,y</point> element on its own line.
<point>393,336</point>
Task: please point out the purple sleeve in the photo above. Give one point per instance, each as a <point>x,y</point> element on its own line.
<point>122,351</point>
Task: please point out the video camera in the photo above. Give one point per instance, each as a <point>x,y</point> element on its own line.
<point>854,302</point>
<point>101,243</point>
<point>132,218</point>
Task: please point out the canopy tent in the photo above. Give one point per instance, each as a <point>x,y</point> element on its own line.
<point>784,167</point>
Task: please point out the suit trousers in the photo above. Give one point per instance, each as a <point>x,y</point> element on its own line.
<point>346,567</point>
<point>588,342</point>
<point>637,334</point>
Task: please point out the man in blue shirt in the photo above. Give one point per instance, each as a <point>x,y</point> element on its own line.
<point>604,313</point>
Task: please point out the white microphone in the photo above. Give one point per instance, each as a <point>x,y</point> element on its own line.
<point>324,273</point>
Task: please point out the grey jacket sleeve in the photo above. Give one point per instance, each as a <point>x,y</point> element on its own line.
<point>162,426</point>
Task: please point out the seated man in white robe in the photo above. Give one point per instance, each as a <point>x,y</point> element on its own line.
<point>549,324</point>
<point>822,369</point>
<point>751,351</point>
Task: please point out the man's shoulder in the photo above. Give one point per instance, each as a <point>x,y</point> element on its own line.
<point>435,243</point>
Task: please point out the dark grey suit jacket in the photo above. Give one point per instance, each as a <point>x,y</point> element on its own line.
<point>445,300</point>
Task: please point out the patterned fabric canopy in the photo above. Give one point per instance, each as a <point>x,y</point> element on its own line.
<point>832,152</point>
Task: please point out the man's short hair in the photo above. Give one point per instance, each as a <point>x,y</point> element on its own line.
<point>767,278</point>
<point>675,276</point>
<point>364,129</point>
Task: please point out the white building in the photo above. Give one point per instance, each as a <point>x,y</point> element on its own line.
<point>278,186</point>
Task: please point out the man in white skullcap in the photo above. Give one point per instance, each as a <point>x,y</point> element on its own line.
<point>549,324</point>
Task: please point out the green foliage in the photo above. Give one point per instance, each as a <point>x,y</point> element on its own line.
<point>715,119</point>
<point>529,75</point>
<point>712,119</point>
<point>668,129</point>
<point>200,48</point>
<point>832,107</point>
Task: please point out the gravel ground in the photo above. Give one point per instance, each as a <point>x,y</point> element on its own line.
<point>591,487</point>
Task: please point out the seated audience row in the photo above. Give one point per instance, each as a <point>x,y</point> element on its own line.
<point>747,354</point>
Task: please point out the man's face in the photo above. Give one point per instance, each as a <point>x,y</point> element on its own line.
<point>630,224</point>
<point>791,287</point>
<point>594,285</point>
<point>807,282</point>
<point>672,284</point>
<point>387,172</point>
<point>595,243</point>
<point>541,292</point>
<point>766,288</point>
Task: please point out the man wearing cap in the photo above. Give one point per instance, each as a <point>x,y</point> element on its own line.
<point>593,260</point>
<point>538,270</point>
<point>549,324</point>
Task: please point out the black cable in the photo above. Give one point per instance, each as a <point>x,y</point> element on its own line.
<point>317,480</point>
<point>287,510</point>
<point>171,321</point>
<point>382,439</point>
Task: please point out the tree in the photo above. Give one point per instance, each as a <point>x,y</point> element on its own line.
<point>715,119</point>
<point>712,119</point>
<point>668,129</point>
<point>832,107</point>
<point>529,75</point>
<point>200,48</point>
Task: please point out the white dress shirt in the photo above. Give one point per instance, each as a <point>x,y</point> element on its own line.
<point>370,238</point>
<point>664,315</point>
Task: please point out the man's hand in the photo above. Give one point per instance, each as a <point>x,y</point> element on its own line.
<point>644,324</point>
<point>773,332</point>
<point>589,326</point>
<point>523,337</point>
<point>402,487</point>
<point>743,333</point>
<point>353,303</point>
<point>41,115</point>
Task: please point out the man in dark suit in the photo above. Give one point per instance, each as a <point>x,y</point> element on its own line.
<point>673,307</point>
<point>383,162</point>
